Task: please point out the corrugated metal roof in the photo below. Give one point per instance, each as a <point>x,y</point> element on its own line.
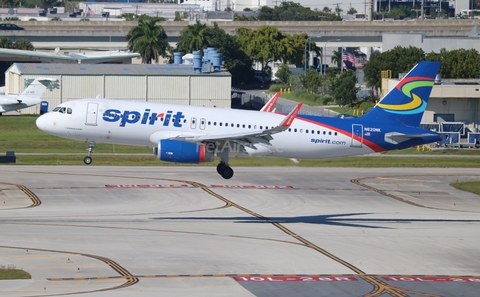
<point>112,69</point>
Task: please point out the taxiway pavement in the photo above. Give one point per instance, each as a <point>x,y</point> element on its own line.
<point>269,231</point>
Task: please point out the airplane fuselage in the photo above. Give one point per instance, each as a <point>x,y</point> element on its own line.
<point>145,123</point>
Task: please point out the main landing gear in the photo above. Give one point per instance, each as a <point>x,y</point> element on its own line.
<point>224,170</point>
<point>88,160</point>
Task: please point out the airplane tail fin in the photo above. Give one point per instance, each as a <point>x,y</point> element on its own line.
<point>36,89</point>
<point>406,102</point>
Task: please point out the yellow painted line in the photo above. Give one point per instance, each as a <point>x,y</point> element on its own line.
<point>31,256</point>
<point>68,264</point>
<point>409,179</point>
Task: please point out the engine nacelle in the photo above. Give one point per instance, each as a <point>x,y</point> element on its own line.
<point>179,151</point>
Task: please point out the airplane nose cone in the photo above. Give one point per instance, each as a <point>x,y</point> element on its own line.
<point>42,123</point>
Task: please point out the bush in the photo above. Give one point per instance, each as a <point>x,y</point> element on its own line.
<point>276,87</point>
<point>309,96</point>
<point>9,19</point>
<point>56,19</point>
<point>366,106</point>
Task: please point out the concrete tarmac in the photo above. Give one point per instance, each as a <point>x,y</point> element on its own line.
<point>269,231</point>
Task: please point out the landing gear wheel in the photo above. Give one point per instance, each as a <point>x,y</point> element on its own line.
<point>220,167</point>
<point>87,160</point>
<point>227,172</point>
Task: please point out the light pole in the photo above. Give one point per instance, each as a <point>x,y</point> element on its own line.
<point>324,62</point>
<point>309,49</point>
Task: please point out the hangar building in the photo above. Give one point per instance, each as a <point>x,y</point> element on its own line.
<point>176,84</point>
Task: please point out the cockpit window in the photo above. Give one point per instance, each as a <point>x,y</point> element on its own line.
<point>63,110</point>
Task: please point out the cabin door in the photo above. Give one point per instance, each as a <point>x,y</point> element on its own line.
<point>92,110</point>
<point>357,136</point>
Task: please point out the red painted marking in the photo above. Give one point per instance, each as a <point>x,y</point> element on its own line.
<point>413,78</point>
<point>201,158</point>
<point>250,187</point>
<point>433,279</point>
<point>375,147</point>
<point>294,279</point>
<point>146,186</point>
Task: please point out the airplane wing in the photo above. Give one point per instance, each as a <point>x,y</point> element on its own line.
<point>251,137</point>
<point>270,105</point>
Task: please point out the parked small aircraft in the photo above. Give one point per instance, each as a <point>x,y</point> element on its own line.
<point>29,97</point>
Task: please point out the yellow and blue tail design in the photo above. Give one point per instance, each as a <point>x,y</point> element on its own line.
<point>407,101</point>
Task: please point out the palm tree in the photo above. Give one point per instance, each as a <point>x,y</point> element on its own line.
<point>337,58</point>
<point>193,38</point>
<point>23,44</point>
<point>148,39</point>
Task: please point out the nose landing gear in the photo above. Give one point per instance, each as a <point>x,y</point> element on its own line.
<point>88,159</point>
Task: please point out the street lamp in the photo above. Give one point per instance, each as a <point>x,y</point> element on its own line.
<point>324,64</point>
<point>309,49</point>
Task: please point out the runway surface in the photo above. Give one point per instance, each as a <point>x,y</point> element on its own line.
<point>285,231</point>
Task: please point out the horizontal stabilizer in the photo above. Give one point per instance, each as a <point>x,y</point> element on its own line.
<point>397,137</point>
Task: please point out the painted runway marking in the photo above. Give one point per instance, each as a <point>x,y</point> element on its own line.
<point>148,186</point>
<point>250,187</point>
<point>293,279</point>
<point>433,279</point>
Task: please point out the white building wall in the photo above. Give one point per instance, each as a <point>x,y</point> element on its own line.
<point>125,87</point>
<point>391,40</point>
<point>200,90</point>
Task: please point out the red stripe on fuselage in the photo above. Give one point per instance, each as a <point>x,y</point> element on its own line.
<point>372,145</point>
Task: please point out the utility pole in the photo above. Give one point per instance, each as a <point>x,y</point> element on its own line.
<point>422,16</point>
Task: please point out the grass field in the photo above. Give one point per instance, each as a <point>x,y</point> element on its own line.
<point>11,272</point>
<point>20,134</point>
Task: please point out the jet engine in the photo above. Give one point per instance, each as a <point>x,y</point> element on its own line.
<point>179,151</point>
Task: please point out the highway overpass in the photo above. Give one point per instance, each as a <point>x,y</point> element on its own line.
<point>98,34</point>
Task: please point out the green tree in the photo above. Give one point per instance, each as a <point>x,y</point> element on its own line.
<point>23,44</point>
<point>49,3</point>
<point>398,60</point>
<point>311,81</point>
<point>236,61</point>
<point>337,58</point>
<point>263,45</point>
<point>128,16</point>
<point>351,10</point>
<point>461,63</point>
<point>10,3</point>
<point>343,88</point>
<point>283,74</point>
<point>5,42</point>
<point>193,38</point>
<point>148,39</point>
<point>291,11</point>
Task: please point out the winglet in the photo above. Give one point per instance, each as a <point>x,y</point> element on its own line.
<point>291,116</point>
<point>269,106</point>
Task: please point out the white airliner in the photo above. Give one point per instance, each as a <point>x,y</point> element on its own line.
<point>29,97</point>
<point>192,134</point>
